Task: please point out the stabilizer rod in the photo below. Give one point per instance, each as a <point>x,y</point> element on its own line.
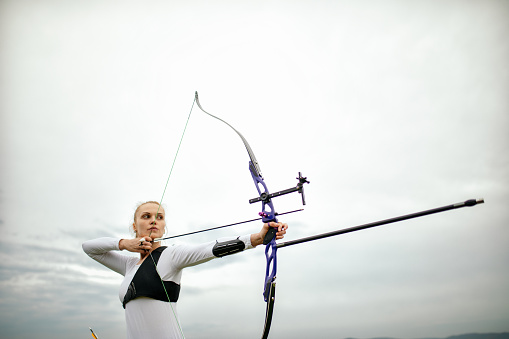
<point>468,203</point>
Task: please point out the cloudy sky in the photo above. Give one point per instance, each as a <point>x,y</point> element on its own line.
<point>388,107</point>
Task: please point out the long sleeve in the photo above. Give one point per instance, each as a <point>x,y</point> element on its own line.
<point>104,251</point>
<point>178,257</point>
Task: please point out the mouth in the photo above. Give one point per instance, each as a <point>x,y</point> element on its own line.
<point>153,229</point>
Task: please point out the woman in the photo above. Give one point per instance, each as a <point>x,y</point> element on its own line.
<point>151,285</point>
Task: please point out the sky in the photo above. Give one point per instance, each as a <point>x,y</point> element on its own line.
<point>388,107</point>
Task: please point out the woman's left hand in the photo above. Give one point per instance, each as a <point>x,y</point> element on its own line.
<point>257,238</point>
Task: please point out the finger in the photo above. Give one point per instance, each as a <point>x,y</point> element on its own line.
<point>281,226</point>
<point>146,241</point>
<point>144,245</point>
<point>274,224</point>
<point>138,249</point>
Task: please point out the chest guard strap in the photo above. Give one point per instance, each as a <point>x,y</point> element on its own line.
<point>147,283</point>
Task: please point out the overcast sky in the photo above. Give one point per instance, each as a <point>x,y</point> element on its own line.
<point>388,107</point>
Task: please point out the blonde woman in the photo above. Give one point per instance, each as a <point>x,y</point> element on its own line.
<point>151,285</point>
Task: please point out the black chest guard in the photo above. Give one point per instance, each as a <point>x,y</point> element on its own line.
<point>147,283</point>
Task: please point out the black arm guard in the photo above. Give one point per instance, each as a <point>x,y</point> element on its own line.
<point>228,247</point>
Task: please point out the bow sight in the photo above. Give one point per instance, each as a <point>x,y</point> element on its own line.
<point>299,188</point>
<point>265,197</point>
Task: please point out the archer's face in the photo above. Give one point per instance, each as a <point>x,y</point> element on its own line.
<point>147,224</point>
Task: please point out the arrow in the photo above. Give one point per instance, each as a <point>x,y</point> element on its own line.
<point>218,227</point>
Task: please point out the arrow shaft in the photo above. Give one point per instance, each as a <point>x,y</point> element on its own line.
<point>223,226</point>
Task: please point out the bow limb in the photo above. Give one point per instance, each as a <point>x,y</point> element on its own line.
<point>269,310</point>
<point>248,148</point>
<point>268,213</point>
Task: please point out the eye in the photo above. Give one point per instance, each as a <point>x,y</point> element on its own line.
<point>160,216</point>
<point>145,216</point>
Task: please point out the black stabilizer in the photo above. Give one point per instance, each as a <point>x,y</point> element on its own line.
<point>467,203</point>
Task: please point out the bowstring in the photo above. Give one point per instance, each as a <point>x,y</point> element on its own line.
<point>157,213</point>
<point>176,154</point>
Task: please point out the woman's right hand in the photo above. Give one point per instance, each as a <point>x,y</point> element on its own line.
<point>139,245</point>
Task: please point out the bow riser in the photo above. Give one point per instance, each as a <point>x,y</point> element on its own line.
<point>270,237</point>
